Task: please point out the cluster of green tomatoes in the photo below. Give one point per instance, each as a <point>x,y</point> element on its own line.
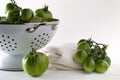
<point>15,14</point>
<point>92,56</point>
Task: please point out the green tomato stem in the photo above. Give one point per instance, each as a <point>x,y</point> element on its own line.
<point>33,51</point>
<point>98,50</point>
<point>13,2</point>
<point>45,8</point>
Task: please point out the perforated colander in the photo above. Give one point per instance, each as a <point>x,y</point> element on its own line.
<point>16,41</point>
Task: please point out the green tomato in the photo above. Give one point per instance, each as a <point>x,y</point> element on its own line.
<point>13,13</point>
<point>39,13</point>
<point>89,65</point>
<point>89,41</point>
<point>82,40</point>
<point>101,66</point>
<point>108,60</point>
<point>84,46</point>
<point>44,13</point>
<point>13,16</point>
<point>35,64</point>
<point>80,56</point>
<point>36,19</point>
<point>26,15</point>
<point>48,16</point>
<point>9,6</point>
<point>10,16</point>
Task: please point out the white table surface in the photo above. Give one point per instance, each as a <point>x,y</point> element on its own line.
<point>113,72</point>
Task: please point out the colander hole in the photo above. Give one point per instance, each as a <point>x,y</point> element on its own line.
<point>46,34</point>
<point>39,35</point>
<point>44,39</point>
<point>4,40</point>
<point>31,42</point>
<point>37,40</point>
<point>10,45</point>
<point>3,36</point>
<point>43,33</point>
<point>13,40</point>
<point>8,37</point>
<point>15,43</point>
<point>9,42</point>
<point>40,40</point>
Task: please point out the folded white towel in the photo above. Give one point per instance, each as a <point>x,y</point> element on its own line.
<point>61,56</point>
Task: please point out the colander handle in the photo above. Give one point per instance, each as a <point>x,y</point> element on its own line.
<point>33,29</point>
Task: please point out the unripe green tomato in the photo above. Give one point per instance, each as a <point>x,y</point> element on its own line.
<point>26,15</point>
<point>80,56</point>
<point>89,65</point>
<point>35,64</point>
<point>36,19</point>
<point>101,66</point>
<point>82,40</point>
<point>48,16</point>
<point>10,16</point>
<point>44,13</point>
<point>39,13</point>
<point>9,6</point>
<point>108,60</point>
<point>13,16</point>
<point>84,46</point>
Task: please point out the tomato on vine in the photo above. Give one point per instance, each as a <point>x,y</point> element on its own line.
<point>84,46</point>
<point>89,65</point>
<point>80,56</point>
<point>101,66</point>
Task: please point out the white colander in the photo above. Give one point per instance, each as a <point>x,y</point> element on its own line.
<point>16,41</point>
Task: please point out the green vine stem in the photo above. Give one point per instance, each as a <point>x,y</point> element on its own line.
<point>14,2</point>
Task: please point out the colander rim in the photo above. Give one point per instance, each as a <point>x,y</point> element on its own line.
<point>55,21</point>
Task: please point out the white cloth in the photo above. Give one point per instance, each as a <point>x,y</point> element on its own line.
<point>61,56</point>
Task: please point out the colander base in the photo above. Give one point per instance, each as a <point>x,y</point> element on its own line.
<point>11,62</point>
<point>11,69</point>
